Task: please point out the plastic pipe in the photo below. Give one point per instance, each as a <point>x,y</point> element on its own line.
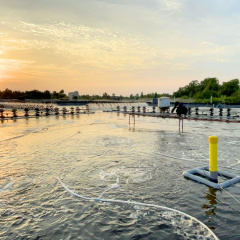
<point>139,204</point>
<point>213,140</point>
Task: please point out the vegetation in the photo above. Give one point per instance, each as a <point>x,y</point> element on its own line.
<point>34,94</point>
<point>206,91</point>
<point>210,90</point>
<point>131,97</point>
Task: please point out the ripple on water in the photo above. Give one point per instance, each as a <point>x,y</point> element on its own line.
<point>98,156</point>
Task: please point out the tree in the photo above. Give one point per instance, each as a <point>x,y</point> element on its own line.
<point>34,94</point>
<point>61,94</point>
<point>7,93</point>
<point>229,88</point>
<point>54,95</point>
<point>205,89</point>
<point>106,96</point>
<point>74,97</point>
<point>192,88</point>
<point>206,94</point>
<point>46,94</point>
<point>210,84</point>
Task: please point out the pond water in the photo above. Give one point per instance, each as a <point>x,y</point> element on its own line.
<point>101,156</point>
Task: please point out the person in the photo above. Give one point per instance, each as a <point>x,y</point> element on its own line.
<point>181,109</point>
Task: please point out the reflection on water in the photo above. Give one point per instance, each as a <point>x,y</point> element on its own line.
<point>99,155</point>
<point>212,201</point>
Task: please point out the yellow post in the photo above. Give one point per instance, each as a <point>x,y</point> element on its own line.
<point>213,140</point>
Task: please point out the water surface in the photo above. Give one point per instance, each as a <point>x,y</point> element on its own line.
<point>100,155</point>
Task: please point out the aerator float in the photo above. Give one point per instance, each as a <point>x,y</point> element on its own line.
<point>209,176</point>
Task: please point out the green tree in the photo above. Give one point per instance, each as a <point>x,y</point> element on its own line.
<point>210,84</point>
<point>106,96</point>
<point>54,95</point>
<point>229,88</point>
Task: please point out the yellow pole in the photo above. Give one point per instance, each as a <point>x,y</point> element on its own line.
<point>213,140</point>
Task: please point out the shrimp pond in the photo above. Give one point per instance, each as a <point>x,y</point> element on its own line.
<point>54,171</point>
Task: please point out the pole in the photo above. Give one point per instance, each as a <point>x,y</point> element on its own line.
<point>213,140</point>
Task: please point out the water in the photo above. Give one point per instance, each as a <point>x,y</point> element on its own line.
<point>100,155</point>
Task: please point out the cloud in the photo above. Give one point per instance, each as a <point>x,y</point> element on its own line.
<point>85,45</point>
<point>206,43</point>
<point>74,47</point>
<point>169,5</point>
<point>125,40</point>
<point>103,47</point>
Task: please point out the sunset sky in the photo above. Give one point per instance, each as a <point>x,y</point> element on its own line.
<point>117,46</point>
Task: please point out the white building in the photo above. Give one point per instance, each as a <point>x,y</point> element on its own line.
<point>164,104</point>
<point>71,95</point>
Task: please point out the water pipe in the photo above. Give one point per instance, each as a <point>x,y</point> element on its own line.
<point>139,204</point>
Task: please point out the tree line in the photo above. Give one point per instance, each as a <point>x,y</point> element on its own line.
<point>210,89</point>
<point>205,91</point>
<point>34,94</point>
<point>137,96</point>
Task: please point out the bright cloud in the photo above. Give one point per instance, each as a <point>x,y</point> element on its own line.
<point>96,44</point>
<point>170,5</point>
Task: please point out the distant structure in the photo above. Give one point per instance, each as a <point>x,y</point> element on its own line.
<point>73,95</point>
<point>115,98</point>
<point>163,104</point>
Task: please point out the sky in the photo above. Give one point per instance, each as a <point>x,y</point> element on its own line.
<point>117,46</point>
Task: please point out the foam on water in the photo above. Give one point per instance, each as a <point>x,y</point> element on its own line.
<point>7,186</point>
